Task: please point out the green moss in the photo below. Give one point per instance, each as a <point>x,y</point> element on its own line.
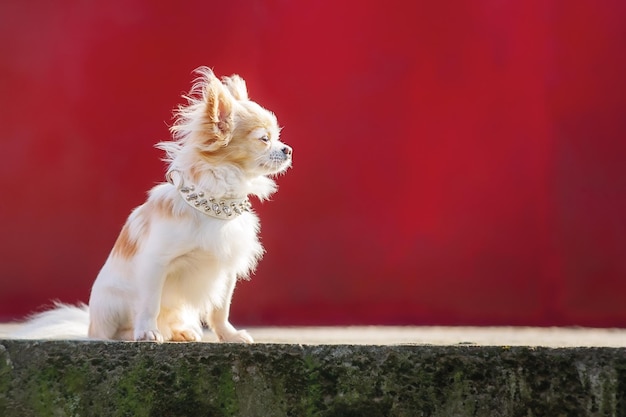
<point>5,378</point>
<point>128,379</point>
<point>620,388</point>
<point>313,394</point>
<point>133,391</point>
<point>226,393</point>
<point>44,391</point>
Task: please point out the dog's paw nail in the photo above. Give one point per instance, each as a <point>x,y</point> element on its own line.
<point>149,336</point>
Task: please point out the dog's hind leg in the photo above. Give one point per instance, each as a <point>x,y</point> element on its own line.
<point>103,329</point>
<point>109,314</point>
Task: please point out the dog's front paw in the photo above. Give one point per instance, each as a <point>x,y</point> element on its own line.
<point>148,336</point>
<point>239,336</point>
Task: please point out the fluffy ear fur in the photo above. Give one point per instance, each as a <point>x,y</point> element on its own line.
<point>207,119</point>
<point>219,111</point>
<point>236,86</point>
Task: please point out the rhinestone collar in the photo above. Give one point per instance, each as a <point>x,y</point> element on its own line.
<point>221,208</point>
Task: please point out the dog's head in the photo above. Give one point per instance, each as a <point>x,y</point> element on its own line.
<point>222,125</point>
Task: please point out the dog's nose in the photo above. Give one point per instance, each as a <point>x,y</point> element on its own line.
<point>287,150</point>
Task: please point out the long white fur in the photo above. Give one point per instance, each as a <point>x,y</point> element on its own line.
<point>62,322</point>
<point>174,268</point>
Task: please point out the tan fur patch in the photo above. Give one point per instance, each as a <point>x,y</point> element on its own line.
<point>164,207</point>
<point>125,246</point>
<point>195,174</point>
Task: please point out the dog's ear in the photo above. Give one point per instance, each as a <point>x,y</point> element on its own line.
<point>236,86</point>
<point>219,112</point>
<point>208,118</point>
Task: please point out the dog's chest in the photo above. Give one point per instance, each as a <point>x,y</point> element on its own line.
<point>232,243</point>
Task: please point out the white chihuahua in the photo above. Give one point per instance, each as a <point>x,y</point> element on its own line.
<point>177,259</point>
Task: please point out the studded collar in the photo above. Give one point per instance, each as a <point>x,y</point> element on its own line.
<point>221,208</point>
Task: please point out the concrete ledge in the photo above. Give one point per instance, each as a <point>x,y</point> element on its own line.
<point>424,335</point>
<point>58,378</point>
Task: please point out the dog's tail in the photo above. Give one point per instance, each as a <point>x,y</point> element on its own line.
<point>62,322</point>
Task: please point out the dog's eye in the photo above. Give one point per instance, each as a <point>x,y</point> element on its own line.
<point>264,138</point>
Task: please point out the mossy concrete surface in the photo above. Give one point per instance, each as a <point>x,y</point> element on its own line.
<point>71,378</point>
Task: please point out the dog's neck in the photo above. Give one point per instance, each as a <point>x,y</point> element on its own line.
<point>221,207</point>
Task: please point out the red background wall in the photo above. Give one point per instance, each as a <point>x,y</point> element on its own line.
<point>457,162</point>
